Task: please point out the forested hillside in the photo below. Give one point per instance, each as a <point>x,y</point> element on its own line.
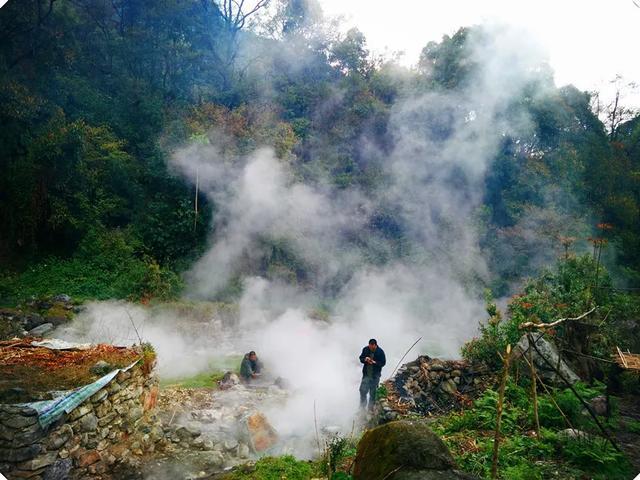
<point>97,96</point>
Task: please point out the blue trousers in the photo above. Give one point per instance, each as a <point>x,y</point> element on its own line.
<point>368,385</point>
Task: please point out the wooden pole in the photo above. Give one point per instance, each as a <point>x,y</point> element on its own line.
<point>496,438</point>
<point>534,387</point>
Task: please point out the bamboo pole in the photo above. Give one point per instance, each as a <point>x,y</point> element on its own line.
<point>496,438</point>
<point>534,387</point>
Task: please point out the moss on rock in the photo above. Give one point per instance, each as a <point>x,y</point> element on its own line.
<point>404,447</point>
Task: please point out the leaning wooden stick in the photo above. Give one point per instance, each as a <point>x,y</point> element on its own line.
<point>543,326</point>
<point>405,354</point>
<point>496,438</point>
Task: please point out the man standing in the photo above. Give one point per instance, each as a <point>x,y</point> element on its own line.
<point>250,367</point>
<point>373,359</point>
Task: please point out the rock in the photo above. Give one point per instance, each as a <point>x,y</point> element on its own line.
<point>230,444</point>
<point>599,405</point>
<point>33,320</point>
<point>40,330</point>
<point>88,423</point>
<point>207,445</point>
<point>135,414</point>
<point>215,459</point>
<point>59,470</point>
<point>574,434</point>
<point>39,462</point>
<point>262,435</point>
<point>229,380</point>
<point>243,450</point>
<point>99,396</point>
<point>88,458</point>
<point>449,386</point>
<point>15,455</point>
<point>81,411</point>
<point>402,445</point>
<point>194,430</point>
<point>19,421</point>
<point>62,298</point>
<point>101,368</point>
<point>549,351</point>
<point>58,438</point>
<point>197,443</point>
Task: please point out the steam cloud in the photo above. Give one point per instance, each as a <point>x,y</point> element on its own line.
<point>443,145</point>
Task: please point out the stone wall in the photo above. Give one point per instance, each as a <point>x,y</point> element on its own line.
<point>114,426</point>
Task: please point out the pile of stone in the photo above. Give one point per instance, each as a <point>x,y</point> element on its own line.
<point>430,386</point>
<point>38,317</point>
<point>115,425</point>
<point>206,434</point>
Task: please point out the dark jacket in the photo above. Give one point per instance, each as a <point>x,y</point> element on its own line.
<point>248,367</point>
<point>378,356</point>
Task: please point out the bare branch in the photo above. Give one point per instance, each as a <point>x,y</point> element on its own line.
<point>543,326</point>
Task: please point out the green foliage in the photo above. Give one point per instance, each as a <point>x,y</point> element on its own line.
<point>106,265</point>
<point>564,291</point>
<point>596,456</point>
<point>276,468</point>
<point>470,436</point>
<point>381,392</point>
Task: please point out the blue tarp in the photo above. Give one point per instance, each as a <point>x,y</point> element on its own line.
<point>50,410</point>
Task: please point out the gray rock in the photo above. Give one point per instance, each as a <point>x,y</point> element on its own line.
<point>215,459</point>
<point>19,421</point>
<point>88,423</point>
<point>549,351</point>
<point>58,438</point>
<point>599,405</point>
<point>14,455</point>
<point>574,434</point>
<point>182,433</point>
<point>32,320</point>
<point>230,444</point>
<point>194,430</point>
<point>63,298</point>
<point>243,450</point>
<point>39,462</point>
<point>135,414</point>
<point>99,395</point>
<point>449,386</point>
<point>40,330</point>
<point>59,470</point>
<point>207,445</point>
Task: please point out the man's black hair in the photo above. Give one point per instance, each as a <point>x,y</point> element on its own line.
<point>374,341</point>
<point>252,353</point>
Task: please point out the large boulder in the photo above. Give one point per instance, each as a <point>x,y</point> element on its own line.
<point>544,348</point>
<point>404,450</point>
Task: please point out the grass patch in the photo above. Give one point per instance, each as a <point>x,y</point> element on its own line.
<point>216,369</point>
<point>277,468</point>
